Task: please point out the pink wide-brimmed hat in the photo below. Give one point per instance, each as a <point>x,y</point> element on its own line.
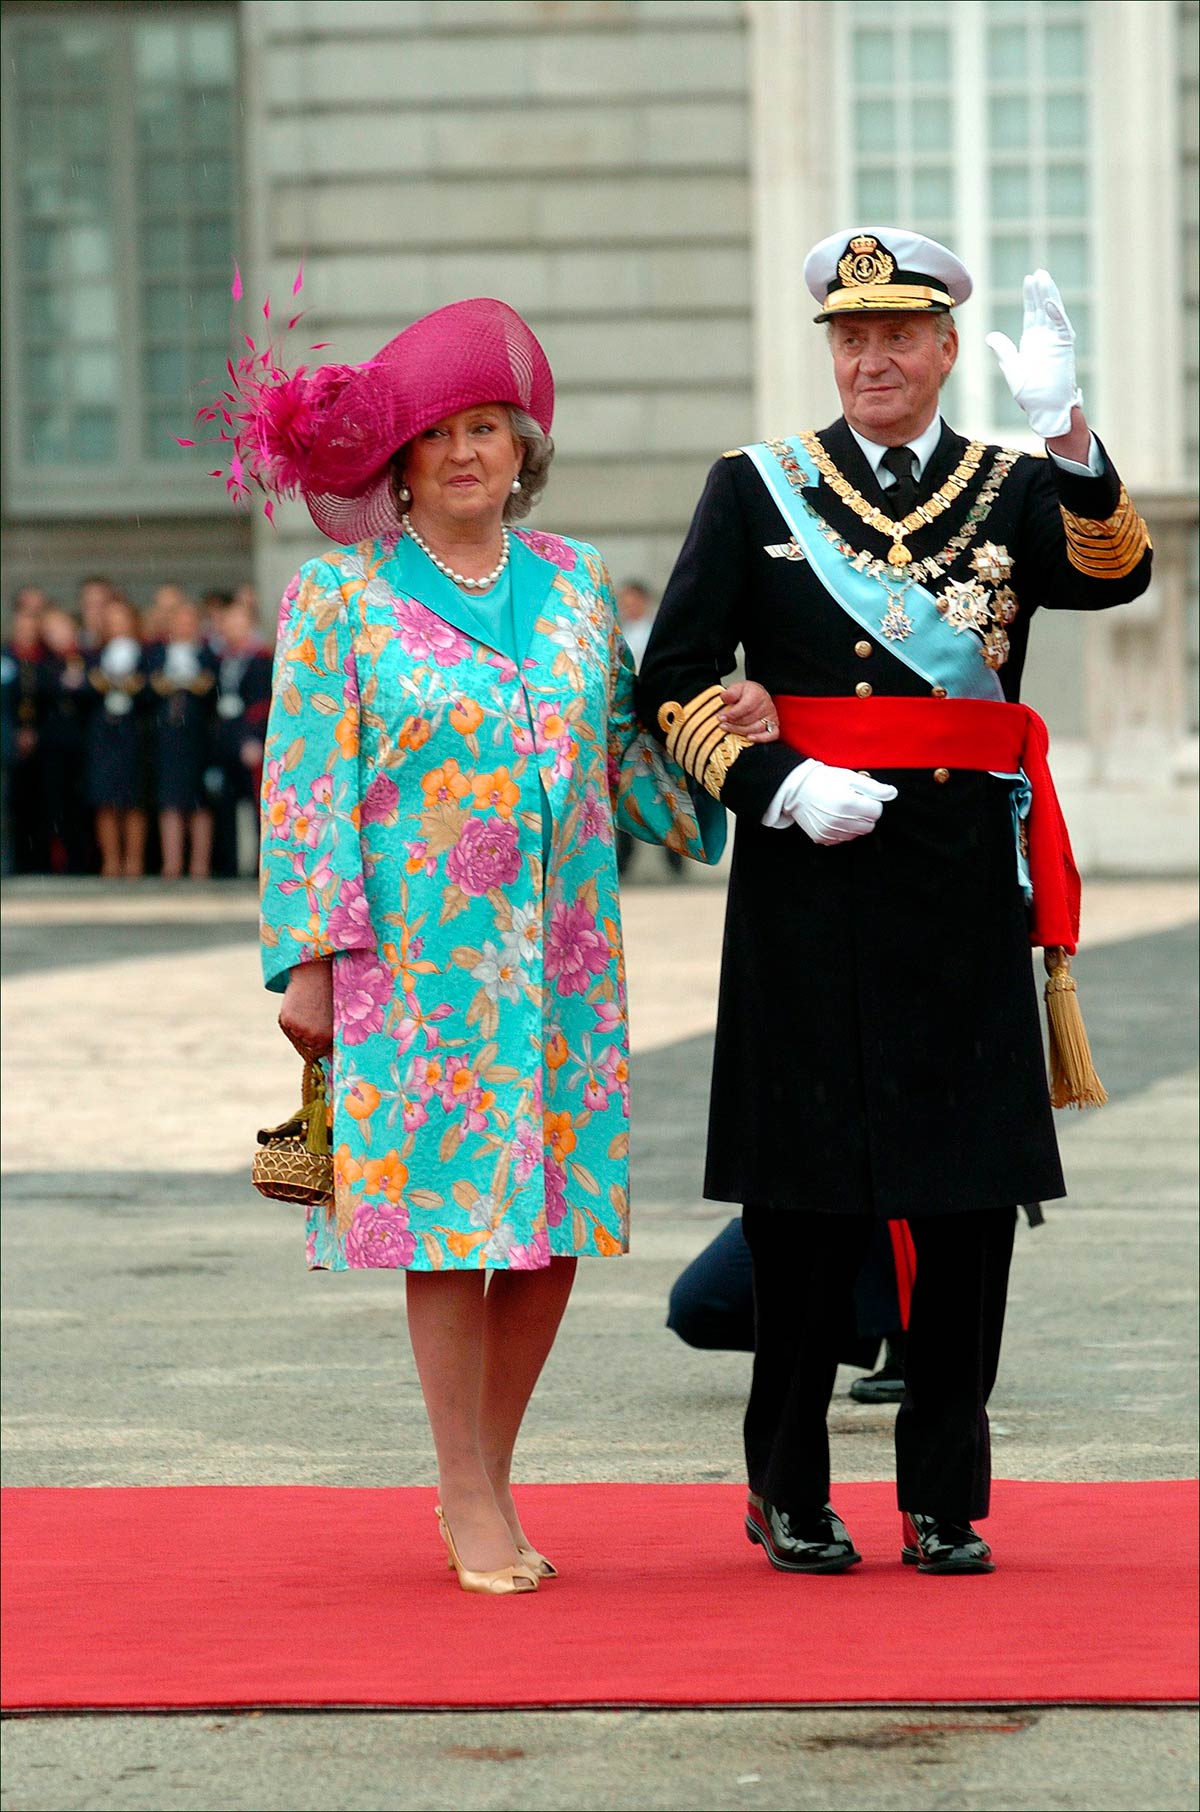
<point>329,434</point>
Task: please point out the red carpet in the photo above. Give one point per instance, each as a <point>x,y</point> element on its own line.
<point>295,1595</point>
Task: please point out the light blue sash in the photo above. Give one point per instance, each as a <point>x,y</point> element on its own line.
<point>932,649</point>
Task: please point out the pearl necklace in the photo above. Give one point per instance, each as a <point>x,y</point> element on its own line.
<point>484,584</point>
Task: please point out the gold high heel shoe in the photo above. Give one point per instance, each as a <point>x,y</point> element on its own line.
<point>500,1583</point>
<point>541,1566</point>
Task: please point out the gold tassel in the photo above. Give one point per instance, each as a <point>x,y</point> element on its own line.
<point>316,1110</point>
<point>1073,1078</point>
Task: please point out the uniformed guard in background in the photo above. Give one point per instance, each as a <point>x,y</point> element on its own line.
<point>182,672</point>
<point>243,702</point>
<point>25,842</point>
<point>65,699</point>
<point>878,1051</point>
<point>115,741</point>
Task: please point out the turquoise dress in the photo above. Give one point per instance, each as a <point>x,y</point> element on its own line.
<point>442,780</point>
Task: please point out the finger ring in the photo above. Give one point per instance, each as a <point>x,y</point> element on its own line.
<point>766,723</point>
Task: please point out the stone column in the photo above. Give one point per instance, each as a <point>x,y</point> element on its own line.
<point>1142,759</point>
<point>1136,164</point>
<point>794,191</point>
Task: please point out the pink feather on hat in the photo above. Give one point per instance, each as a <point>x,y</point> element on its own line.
<point>285,421</point>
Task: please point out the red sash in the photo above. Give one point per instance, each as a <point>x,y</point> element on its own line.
<point>954,733</point>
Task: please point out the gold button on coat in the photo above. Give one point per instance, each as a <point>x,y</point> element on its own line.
<point>939,692</point>
<point>863,649</point>
<point>941,775</point>
<point>863,689</point>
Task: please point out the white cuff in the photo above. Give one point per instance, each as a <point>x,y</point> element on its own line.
<point>778,815</point>
<point>1094,466</point>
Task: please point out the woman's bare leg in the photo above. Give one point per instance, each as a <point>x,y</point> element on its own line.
<point>108,836</point>
<point>170,836</point>
<point>445,1325</point>
<point>200,866</point>
<point>521,1317</point>
<point>133,831</point>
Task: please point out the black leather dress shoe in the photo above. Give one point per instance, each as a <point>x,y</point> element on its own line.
<point>808,1542</point>
<point>884,1386</point>
<point>934,1545</point>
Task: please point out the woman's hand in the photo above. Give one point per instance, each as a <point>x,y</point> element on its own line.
<point>306,1016</point>
<point>750,711</point>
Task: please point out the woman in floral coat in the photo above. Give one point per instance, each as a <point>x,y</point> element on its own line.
<point>451,742</point>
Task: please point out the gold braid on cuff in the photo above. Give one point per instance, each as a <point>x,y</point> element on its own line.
<point>696,740</point>
<point>1108,549</point>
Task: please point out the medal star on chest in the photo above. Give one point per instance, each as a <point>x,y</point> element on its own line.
<point>965,604</point>
<point>992,562</point>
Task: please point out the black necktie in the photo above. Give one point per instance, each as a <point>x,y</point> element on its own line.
<point>901,462</point>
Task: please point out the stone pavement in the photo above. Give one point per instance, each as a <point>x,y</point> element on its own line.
<point>161,1329</point>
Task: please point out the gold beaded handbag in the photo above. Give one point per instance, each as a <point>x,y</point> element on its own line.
<point>293,1162</point>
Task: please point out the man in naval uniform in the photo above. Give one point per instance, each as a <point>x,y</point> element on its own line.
<point>878,1049</point>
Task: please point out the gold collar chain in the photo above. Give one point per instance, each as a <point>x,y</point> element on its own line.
<point>927,512</point>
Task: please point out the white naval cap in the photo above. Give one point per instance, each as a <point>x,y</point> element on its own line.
<point>884,268</point>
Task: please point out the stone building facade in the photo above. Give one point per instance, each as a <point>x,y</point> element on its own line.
<point>641,179</point>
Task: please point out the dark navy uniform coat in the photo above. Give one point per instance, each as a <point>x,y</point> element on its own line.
<point>183,729</point>
<point>115,740</point>
<point>878,1046</point>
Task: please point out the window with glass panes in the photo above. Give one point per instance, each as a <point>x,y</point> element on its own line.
<point>120,156</point>
<point>971,124</point>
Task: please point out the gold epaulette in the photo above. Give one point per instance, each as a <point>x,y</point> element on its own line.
<point>696,740</point>
<point>733,453</point>
<point>1108,549</point>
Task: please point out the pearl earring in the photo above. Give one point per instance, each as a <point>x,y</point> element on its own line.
<point>515,486</point>
<point>405,494</point>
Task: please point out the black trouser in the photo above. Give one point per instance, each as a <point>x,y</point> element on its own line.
<point>804,1270</point>
<point>65,812</point>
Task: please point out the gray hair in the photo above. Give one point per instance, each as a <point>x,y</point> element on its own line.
<point>535,466</point>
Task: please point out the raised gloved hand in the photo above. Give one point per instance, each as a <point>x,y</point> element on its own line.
<point>1041,371</point>
<point>830,805</point>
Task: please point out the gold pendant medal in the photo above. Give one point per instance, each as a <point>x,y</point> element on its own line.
<point>895,625</point>
<point>899,555</point>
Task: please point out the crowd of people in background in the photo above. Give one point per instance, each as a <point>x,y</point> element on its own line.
<point>131,740</point>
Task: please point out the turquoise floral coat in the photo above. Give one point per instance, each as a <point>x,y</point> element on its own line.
<point>438,816</point>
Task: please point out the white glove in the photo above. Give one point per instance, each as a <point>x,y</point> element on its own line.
<point>1041,373</point>
<point>830,805</point>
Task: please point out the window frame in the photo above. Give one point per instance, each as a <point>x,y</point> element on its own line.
<point>131,483</point>
<point>970,157</point>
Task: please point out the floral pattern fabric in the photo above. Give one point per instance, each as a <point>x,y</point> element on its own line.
<point>438,817</point>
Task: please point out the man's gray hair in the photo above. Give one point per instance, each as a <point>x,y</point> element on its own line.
<point>535,467</point>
